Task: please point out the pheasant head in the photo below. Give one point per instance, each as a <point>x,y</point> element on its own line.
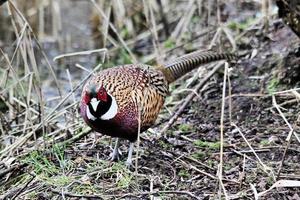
<point>97,103</point>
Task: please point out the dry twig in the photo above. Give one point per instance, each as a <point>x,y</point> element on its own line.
<point>191,96</point>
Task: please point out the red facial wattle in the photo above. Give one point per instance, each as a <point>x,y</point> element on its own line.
<point>102,94</point>
<point>86,98</point>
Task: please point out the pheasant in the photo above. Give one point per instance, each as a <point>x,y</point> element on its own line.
<point>114,101</point>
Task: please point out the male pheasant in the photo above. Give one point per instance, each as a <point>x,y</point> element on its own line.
<point>114,99</point>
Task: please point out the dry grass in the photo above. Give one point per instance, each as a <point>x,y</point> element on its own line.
<point>213,151</point>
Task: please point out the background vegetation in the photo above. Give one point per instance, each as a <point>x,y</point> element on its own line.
<point>237,135</point>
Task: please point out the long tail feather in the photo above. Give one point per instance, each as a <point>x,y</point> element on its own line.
<point>180,66</point>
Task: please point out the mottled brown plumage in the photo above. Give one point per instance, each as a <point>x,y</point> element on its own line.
<point>113,98</point>
<point>132,86</point>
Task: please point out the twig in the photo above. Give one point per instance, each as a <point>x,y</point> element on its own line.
<point>198,162</point>
<point>265,168</point>
<point>191,96</point>
<point>25,186</point>
<point>184,21</point>
<point>242,175</point>
<point>164,18</point>
<point>220,168</point>
<point>103,50</point>
<point>229,94</point>
<point>76,137</point>
<point>102,14</point>
<point>292,132</point>
<point>26,137</point>
<point>160,192</point>
<point>288,137</point>
<point>70,194</point>
<point>15,167</point>
<point>287,91</point>
<point>266,17</point>
<point>121,196</point>
<point>38,45</point>
<point>139,133</point>
<point>283,158</point>
<point>211,176</point>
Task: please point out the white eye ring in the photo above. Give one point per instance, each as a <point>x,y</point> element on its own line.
<point>112,111</point>
<point>94,102</point>
<point>89,114</point>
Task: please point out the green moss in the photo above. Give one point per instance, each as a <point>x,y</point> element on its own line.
<point>272,85</point>
<point>84,189</point>
<point>209,145</point>
<point>198,155</point>
<point>124,176</point>
<point>124,181</point>
<point>242,25</point>
<point>264,143</point>
<point>41,164</point>
<point>164,145</point>
<point>227,167</point>
<point>185,127</point>
<point>32,195</point>
<point>124,33</point>
<point>270,180</point>
<point>196,19</point>
<point>184,173</point>
<point>210,163</point>
<point>169,43</point>
<point>49,164</point>
<point>59,153</point>
<point>59,180</point>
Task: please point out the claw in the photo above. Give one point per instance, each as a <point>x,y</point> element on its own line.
<point>115,155</point>
<point>128,162</point>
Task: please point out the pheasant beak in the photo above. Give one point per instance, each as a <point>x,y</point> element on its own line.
<point>94,102</point>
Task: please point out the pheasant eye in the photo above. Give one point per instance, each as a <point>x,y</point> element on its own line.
<point>102,95</point>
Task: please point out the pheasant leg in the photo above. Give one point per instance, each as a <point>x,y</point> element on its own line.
<point>128,162</point>
<point>115,155</point>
